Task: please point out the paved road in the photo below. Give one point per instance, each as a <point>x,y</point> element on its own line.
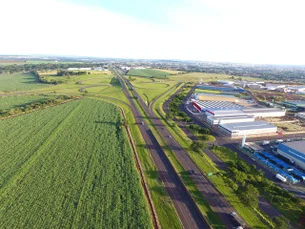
<point>186,208</point>
<point>217,201</point>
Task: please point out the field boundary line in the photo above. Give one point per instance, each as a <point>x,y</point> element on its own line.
<point>143,180</point>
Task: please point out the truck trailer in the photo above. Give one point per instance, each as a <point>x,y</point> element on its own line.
<point>280,177</point>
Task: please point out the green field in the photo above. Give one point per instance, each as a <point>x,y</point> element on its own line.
<point>21,100</point>
<point>69,166</point>
<point>151,73</point>
<point>98,84</point>
<point>19,81</point>
<point>207,77</point>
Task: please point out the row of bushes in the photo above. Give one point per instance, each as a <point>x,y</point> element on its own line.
<point>34,106</point>
<point>249,183</point>
<point>174,108</point>
<point>71,73</point>
<point>44,79</point>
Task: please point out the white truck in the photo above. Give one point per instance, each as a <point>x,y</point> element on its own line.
<point>265,143</point>
<point>280,177</point>
<point>278,141</point>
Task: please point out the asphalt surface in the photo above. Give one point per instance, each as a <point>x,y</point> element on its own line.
<point>187,210</point>
<point>216,200</point>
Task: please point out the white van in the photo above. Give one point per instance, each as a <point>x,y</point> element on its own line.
<point>279,141</point>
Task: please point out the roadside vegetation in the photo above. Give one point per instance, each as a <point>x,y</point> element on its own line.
<point>240,175</point>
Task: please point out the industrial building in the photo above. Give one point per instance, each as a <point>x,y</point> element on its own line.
<point>215,97</point>
<point>298,105</point>
<point>300,115</point>
<point>215,105</point>
<point>240,129</point>
<point>216,120</point>
<point>223,113</point>
<point>221,88</point>
<point>265,112</point>
<point>294,151</point>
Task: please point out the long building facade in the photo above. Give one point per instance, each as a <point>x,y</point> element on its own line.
<point>247,128</point>
<point>294,151</point>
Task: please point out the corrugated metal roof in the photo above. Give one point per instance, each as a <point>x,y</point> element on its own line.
<point>247,125</point>
<point>297,145</point>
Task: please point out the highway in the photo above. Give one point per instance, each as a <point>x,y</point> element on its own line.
<point>187,210</point>
<point>216,200</point>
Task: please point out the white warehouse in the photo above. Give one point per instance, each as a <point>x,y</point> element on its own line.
<point>216,120</point>
<point>247,128</point>
<point>265,112</point>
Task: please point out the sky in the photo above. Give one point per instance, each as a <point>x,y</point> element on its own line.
<point>243,31</point>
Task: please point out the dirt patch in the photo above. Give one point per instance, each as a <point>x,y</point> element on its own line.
<point>276,96</point>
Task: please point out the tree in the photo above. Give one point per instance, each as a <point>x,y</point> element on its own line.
<point>249,195</point>
<point>197,146</point>
<point>169,116</point>
<point>281,222</point>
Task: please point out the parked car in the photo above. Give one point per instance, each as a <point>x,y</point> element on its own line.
<point>279,141</point>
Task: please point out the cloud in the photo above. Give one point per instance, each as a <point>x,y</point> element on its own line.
<point>63,28</point>
<point>212,30</point>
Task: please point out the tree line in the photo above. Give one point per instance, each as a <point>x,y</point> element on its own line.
<point>43,67</point>
<point>35,106</point>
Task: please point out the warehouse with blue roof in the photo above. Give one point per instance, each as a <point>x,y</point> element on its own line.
<point>294,151</point>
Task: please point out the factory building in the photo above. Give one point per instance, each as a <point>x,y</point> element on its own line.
<point>294,151</point>
<point>224,113</point>
<point>240,129</point>
<point>221,88</point>
<point>216,120</point>
<point>215,105</point>
<point>215,97</point>
<point>298,105</point>
<point>300,115</point>
<point>265,112</point>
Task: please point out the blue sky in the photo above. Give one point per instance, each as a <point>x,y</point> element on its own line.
<point>244,31</point>
<point>152,10</point>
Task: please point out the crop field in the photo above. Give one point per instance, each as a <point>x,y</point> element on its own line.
<point>21,100</point>
<point>171,72</point>
<point>148,73</point>
<point>69,166</point>
<point>19,81</point>
<point>207,77</point>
